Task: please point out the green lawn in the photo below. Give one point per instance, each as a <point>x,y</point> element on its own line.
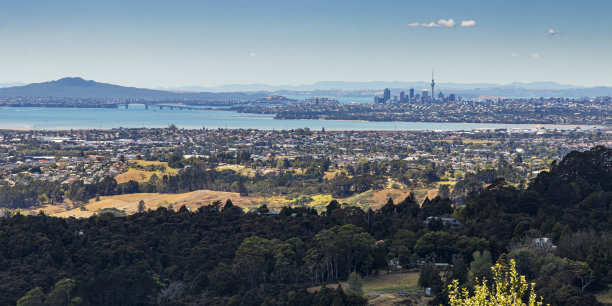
<point>391,283</point>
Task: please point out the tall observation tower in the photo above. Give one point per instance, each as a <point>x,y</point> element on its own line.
<point>433,84</point>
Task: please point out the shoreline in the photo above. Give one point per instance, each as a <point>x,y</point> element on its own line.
<point>530,127</point>
<point>108,119</point>
<point>445,122</point>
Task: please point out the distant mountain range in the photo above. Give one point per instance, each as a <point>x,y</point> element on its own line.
<point>80,88</point>
<point>3,85</point>
<point>516,89</point>
<point>374,85</point>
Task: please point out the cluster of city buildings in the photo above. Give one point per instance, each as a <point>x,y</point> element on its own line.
<point>412,96</point>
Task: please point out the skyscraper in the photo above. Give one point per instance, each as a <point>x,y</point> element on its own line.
<point>411,94</point>
<point>402,96</point>
<point>387,94</point>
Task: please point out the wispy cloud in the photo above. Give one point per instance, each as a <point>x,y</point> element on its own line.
<point>535,55</point>
<point>430,25</point>
<point>468,23</point>
<point>446,23</point>
<point>514,54</point>
<point>551,31</point>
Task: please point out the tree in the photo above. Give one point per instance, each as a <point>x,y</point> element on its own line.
<point>584,274</point>
<point>443,191</point>
<point>508,288</point>
<point>439,244</point>
<point>251,258</point>
<point>342,250</point>
<point>479,267</point>
<point>61,293</point>
<point>263,209</point>
<point>230,209</point>
<point>429,277</point>
<point>333,205</point>
<point>282,164</point>
<point>33,297</point>
<point>221,279</point>
<point>141,206</point>
<point>355,284</point>
<point>459,270</point>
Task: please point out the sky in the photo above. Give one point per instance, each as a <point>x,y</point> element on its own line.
<point>153,44</point>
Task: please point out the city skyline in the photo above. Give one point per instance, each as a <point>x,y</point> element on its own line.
<point>156,44</point>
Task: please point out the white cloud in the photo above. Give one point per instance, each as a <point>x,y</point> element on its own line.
<point>430,25</point>
<point>514,54</point>
<point>252,54</point>
<point>468,23</point>
<point>551,31</point>
<point>446,23</point>
<point>535,55</point>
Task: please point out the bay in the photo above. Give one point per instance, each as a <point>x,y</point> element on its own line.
<point>136,116</point>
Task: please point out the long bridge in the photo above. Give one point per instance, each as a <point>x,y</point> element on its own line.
<point>162,106</point>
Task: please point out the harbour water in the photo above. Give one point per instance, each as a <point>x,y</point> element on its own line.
<point>136,116</point>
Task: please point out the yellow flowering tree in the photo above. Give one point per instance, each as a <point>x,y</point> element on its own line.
<point>509,288</point>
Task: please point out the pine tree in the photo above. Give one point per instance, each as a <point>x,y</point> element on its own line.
<point>141,206</point>
<point>355,284</point>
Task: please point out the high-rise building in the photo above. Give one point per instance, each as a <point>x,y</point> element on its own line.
<point>425,95</point>
<point>394,99</point>
<point>387,94</point>
<point>411,94</point>
<point>402,96</point>
<point>451,97</point>
<point>380,100</point>
<point>441,96</point>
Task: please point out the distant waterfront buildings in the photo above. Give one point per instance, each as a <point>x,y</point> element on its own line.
<point>424,97</point>
<point>387,94</point>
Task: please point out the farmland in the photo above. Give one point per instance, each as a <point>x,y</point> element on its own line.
<point>128,203</point>
<point>137,171</point>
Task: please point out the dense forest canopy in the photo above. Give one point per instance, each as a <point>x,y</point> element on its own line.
<point>558,229</point>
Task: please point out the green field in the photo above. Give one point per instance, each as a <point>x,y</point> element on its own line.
<point>391,283</point>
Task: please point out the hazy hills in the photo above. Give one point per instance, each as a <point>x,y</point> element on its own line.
<point>516,89</point>
<point>374,85</point>
<point>80,88</point>
<point>3,85</point>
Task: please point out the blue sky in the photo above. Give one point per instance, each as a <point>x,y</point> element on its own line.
<point>148,43</point>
